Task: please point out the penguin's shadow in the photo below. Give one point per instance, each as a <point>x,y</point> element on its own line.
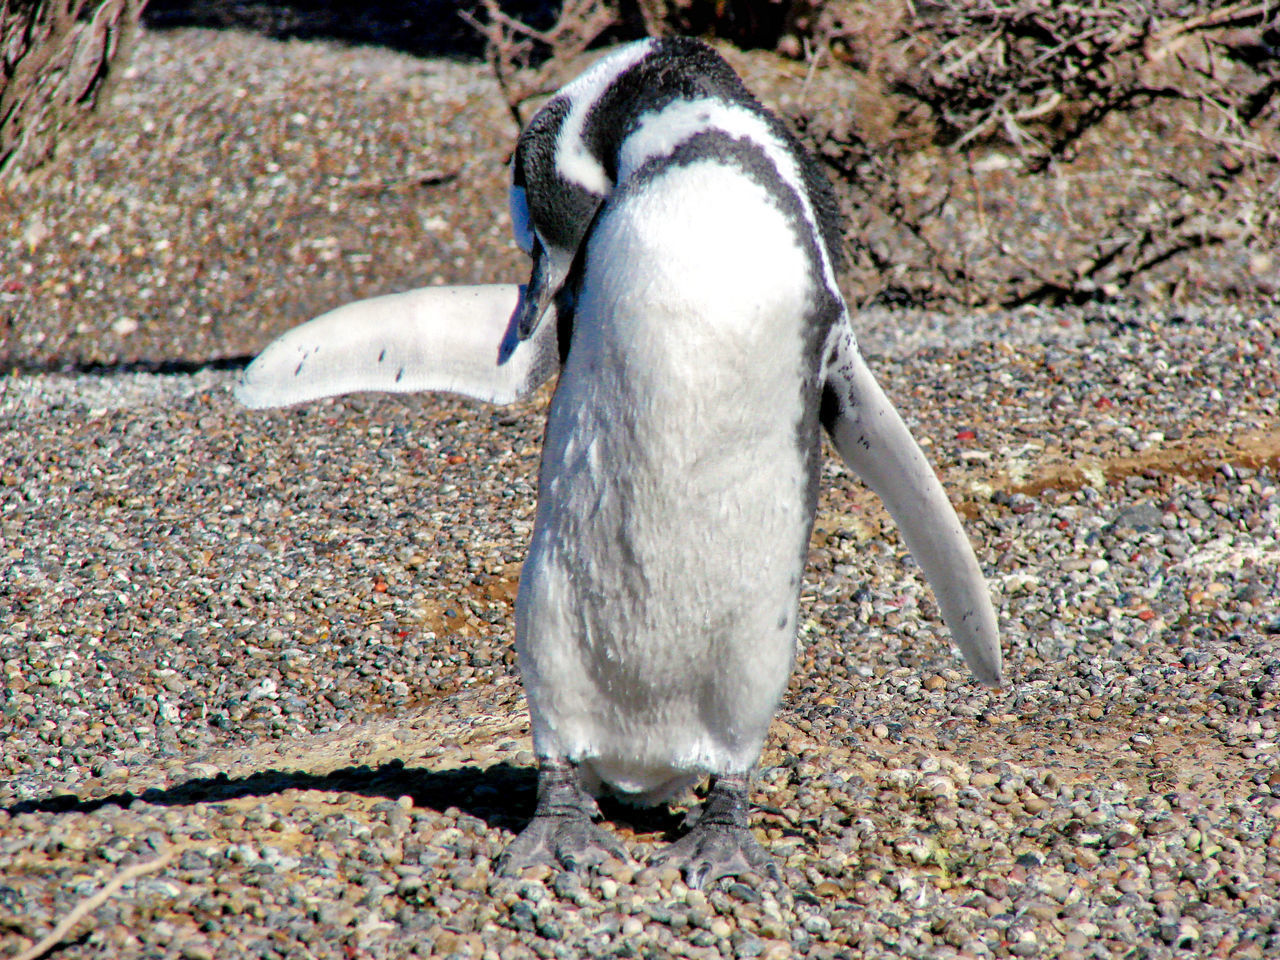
<point>503,796</point>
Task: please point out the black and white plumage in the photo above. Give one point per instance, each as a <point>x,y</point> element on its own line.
<point>684,284</point>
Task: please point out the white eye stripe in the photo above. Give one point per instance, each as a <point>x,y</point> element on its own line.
<point>573,161</point>
<point>521,227</point>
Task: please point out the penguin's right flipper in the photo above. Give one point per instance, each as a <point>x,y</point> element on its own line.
<point>458,339</point>
<point>877,445</point>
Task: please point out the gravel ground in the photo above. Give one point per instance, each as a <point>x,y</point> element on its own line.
<point>275,648</point>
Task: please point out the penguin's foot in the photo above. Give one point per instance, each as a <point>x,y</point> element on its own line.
<point>720,843</point>
<point>561,833</point>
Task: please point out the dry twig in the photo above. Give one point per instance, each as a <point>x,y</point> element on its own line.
<point>1054,82</point>
<point>93,901</point>
<point>513,46</point>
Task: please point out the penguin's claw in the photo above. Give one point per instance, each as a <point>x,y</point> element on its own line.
<point>569,843</point>
<point>561,833</point>
<point>712,851</point>
<point>720,843</point>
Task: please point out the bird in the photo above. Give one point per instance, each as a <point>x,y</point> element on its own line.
<point>683,295</point>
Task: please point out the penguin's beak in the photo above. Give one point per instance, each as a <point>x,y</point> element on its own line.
<point>539,293</point>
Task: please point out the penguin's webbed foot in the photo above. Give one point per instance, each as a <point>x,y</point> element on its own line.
<point>561,833</point>
<point>560,842</point>
<point>720,843</point>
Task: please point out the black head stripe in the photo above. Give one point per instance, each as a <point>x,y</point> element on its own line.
<point>535,151</point>
<point>679,68</point>
<point>559,210</point>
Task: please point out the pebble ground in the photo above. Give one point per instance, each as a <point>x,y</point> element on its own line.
<point>277,646</point>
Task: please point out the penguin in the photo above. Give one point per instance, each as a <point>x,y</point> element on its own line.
<point>683,291</point>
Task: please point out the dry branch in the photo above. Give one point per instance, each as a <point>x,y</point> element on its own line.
<point>513,48</point>
<point>55,59</point>
<point>92,902</point>
<point>1044,85</point>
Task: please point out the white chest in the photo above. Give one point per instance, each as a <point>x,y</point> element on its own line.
<point>659,599</point>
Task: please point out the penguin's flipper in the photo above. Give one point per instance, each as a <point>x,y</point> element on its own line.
<point>455,339</point>
<point>877,445</point>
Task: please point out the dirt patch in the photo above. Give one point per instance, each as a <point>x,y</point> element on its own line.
<point>1197,457</point>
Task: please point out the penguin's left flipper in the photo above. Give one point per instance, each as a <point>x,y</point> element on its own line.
<point>877,445</point>
<point>458,339</point>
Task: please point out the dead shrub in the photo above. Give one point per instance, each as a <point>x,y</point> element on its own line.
<point>55,57</point>
<point>1039,151</point>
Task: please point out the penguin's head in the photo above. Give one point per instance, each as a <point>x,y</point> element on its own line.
<point>560,176</point>
<point>566,160</point>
